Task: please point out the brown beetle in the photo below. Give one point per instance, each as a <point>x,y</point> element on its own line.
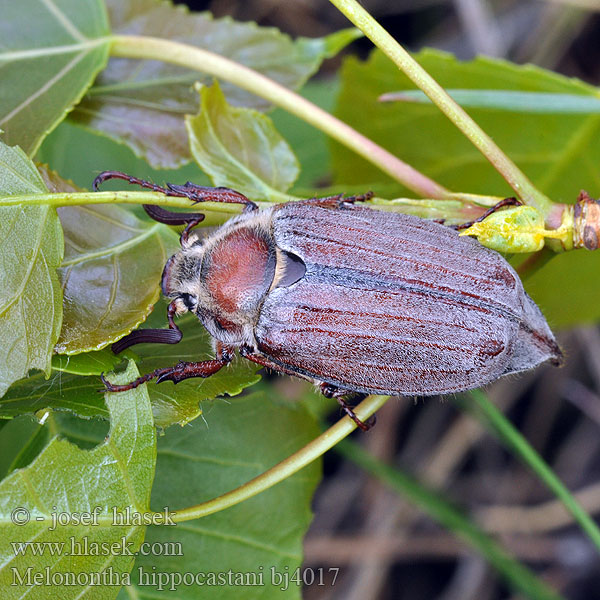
<point>356,300</point>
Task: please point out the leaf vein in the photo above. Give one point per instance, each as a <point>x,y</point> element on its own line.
<point>116,249</point>
<point>64,20</point>
<point>239,540</point>
<point>44,88</point>
<point>32,262</point>
<point>210,460</point>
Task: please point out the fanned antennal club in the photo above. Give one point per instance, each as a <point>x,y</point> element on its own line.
<point>172,335</point>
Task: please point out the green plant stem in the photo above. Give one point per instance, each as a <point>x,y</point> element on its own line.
<point>215,213</point>
<point>191,57</point>
<point>79,198</point>
<point>383,40</point>
<point>520,446</point>
<point>287,467</point>
<point>452,212</point>
<point>430,502</point>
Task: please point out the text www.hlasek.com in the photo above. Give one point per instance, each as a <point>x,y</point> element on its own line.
<point>84,547</point>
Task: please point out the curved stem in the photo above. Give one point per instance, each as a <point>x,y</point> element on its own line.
<point>79,198</point>
<point>216,213</point>
<point>454,210</point>
<point>191,57</point>
<point>382,39</point>
<point>287,467</point>
<point>521,448</point>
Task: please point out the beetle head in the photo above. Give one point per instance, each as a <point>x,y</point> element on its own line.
<point>223,280</point>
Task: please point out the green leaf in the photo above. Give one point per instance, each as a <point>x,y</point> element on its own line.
<point>50,53</point>
<point>197,463</point>
<point>310,145</point>
<point>142,103</point>
<point>240,148</point>
<point>68,390</point>
<point>573,271</point>
<point>21,440</point>
<point>63,479</point>
<point>509,100</point>
<point>110,273</point>
<point>62,391</point>
<point>87,363</point>
<point>560,154</point>
<point>31,248</point>
<point>79,155</point>
<point>183,402</point>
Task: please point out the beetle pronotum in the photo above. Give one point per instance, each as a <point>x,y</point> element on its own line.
<point>356,300</point>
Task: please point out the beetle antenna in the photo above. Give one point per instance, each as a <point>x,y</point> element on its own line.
<point>170,217</point>
<point>172,335</point>
<point>147,336</point>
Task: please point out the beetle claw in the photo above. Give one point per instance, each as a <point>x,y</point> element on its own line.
<point>170,376</point>
<point>331,391</point>
<point>358,198</point>
<point>107,384</point>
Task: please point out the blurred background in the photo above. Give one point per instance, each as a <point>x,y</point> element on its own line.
<point>557,34</point>
<point>384,547</point>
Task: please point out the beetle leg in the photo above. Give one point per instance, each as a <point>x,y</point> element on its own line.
<point>359,197</point>
<point>106,175</point>
<point>162,215</point>
<point>251,354</point>
<point>331,391</point>
<point>181,371</point>
<point>224,352</point>
<point>328,390</point>
<point>506,202</point>
<point>185,234</point>
<point>338,201</point>
<point>200,193</point>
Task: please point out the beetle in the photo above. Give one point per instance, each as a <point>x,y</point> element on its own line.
<point>356,300</point>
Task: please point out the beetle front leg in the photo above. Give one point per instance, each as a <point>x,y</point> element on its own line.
<point>338,201</point>
<point>506,202</point>
<point>331,391</point>
<point>180,372</point>
<point>196,193</point>
<point>162,215</point>
<point>201,193</point>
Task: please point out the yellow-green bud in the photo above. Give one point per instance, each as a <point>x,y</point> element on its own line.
<point>515,230</point>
